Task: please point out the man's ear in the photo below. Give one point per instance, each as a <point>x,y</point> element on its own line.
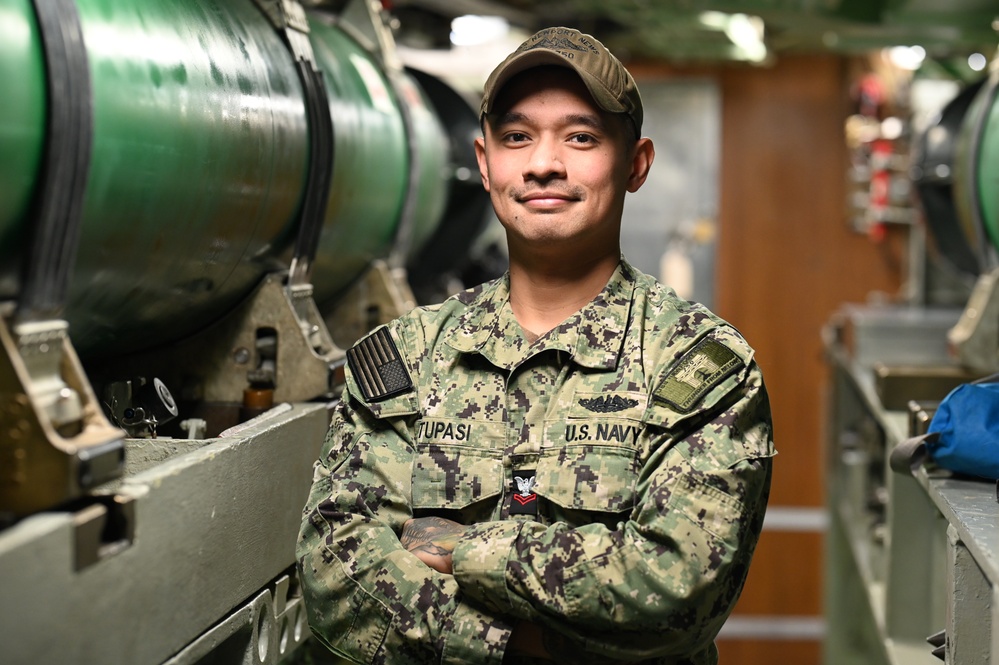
<point>641,162</point>
<point>480,157</point>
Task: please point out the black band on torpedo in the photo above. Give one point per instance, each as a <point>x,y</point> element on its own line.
<point>57,208</point>
<point>288,17</point>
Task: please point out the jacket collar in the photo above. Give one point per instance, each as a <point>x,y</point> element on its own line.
<point>593,336</point>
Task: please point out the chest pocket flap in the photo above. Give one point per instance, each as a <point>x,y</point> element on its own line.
<point>458,462</point>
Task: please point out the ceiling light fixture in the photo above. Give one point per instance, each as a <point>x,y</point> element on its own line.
<point>907,57</point>
<point>472,30</point>
<point>977,62</point>
<point>744,31</point>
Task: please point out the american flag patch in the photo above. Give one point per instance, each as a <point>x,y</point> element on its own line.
<point>377,367</point>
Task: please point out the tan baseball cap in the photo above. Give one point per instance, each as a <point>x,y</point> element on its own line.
<point>610,84</point>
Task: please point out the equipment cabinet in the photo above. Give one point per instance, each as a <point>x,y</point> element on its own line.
<point>907,556</point>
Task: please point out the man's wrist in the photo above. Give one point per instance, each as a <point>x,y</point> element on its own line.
<point>480,560</point>
<point>472,636</point>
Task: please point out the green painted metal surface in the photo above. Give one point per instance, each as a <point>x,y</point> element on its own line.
<point>22,129</point>
<point>976,170</point>
<point>431,165</point>
<point>200,151</point>
<point>370,162</point>
<point>987,170</point>
<point>198,165</point>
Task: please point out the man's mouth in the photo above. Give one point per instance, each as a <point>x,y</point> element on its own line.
<point>546,199</point>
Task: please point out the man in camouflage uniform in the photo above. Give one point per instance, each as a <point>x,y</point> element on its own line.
<point>568,464</point>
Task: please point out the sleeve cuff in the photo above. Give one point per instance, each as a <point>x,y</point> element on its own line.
<point>475,637</point>
<point>479,562</point>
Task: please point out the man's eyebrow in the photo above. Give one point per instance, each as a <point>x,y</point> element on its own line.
<point>587,119</point>
<point>509,118</point>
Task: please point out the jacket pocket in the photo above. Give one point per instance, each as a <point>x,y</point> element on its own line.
<point>590,477</point>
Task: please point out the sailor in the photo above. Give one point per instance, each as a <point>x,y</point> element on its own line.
<point>568,464</point>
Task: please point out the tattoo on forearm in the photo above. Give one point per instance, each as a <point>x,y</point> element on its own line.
<point>432,548</point>
<point>418,533</point>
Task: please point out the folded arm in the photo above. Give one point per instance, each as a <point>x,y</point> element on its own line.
<point>368,598</point>
<point>664,580</point>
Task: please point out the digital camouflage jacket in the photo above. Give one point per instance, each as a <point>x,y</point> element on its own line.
<point>615,473</point>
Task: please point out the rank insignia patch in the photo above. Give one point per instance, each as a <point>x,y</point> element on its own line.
<point>524,501</point>
<point>700,369</point>
<point>377,367</point>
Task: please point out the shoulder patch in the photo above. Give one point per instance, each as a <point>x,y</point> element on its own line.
<point>378,367</point>
<point>699,370</point>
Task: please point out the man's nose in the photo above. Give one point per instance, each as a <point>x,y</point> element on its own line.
<point>545,161</point>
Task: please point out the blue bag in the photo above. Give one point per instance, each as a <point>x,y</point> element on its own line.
<point>963,435</point>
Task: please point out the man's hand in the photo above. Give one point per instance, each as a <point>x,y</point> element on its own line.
<point>432,539</point>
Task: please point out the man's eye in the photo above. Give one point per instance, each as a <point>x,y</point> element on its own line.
<point>581,138</point>
<point>515,137</point>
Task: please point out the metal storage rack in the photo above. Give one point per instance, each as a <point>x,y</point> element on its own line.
<point>907,557</point>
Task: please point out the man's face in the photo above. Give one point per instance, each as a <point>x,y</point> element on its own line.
<point>557,166</point>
